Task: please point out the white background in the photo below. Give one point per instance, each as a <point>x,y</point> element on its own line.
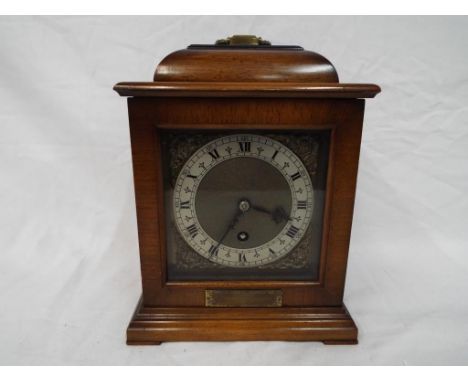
<point>69,268</point>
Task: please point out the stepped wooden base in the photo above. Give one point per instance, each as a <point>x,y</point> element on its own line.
<point>331,325</point>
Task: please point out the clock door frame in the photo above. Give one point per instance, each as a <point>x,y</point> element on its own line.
<point>151,115</point>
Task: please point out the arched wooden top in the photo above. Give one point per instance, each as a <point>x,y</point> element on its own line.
<point>272,64</point>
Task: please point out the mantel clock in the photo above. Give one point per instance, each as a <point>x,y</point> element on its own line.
<point>245,156</point>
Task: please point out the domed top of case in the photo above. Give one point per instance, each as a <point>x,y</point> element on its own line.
<point>245,66</point>
<point>245,58</point>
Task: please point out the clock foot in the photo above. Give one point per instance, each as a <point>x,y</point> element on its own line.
<point>152,325</point>
<point>340,342</point>
<point>142,343</point>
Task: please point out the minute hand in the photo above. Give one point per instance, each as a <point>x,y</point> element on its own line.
<point>230,227</point>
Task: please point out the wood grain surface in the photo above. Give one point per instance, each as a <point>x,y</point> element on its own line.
<point>236,91</point>
<point>245,65</point>
<point>246,89</point>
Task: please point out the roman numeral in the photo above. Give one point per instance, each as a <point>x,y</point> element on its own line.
<point>275,154</point>
<point>242,258</point>
<point>292,231</point>
<point>191,176</point>
<point>214,154</point>
<point>302,205</point>
<point>272,253</point>
<point>192,230</point>
<point>213,250</point>
<point>244,146</point>
<point>185,205</point>
<point>295,176</point>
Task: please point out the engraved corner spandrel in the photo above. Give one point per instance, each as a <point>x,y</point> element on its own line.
<point>179,147</point>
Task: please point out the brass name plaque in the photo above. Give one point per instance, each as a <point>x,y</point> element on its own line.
<point>258,298</point>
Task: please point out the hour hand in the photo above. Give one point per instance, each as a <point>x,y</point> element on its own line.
<point>278,214</point>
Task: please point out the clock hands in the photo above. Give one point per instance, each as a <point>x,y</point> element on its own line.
<point>278,215</point>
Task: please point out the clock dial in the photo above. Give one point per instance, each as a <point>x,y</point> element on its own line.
<point>243,200</point>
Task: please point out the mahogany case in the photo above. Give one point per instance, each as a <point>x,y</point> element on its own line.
<point>240,88</point>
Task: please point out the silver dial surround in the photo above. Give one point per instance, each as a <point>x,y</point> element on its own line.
<point>243,148</point>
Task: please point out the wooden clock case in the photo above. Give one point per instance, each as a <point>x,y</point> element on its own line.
<point>235,88</point>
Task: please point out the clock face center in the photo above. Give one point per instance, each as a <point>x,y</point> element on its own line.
<point>244,192</point>
<point>244,205</point>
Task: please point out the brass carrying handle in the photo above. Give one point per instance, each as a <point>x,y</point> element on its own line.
<point>242,39</point>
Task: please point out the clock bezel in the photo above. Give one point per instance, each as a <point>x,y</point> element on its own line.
<point>343,118</point>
